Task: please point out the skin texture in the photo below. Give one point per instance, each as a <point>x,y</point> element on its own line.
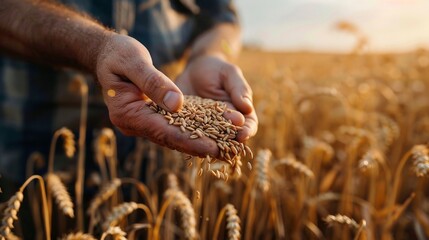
<point>43,32</point>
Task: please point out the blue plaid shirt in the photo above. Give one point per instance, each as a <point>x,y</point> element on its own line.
<point>36,100</point>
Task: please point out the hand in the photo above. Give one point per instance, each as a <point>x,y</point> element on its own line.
<point>210,76</point>
<point>125,72</point>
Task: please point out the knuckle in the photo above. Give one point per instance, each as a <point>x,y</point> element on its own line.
<point>231,69</point>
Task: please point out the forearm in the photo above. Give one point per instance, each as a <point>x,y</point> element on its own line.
<point>223,40</point>
<point>45,32</point>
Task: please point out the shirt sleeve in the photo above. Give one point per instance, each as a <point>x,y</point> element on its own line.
<point>213,12</point>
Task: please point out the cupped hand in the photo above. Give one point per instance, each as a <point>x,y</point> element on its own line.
<point>126,74</point>
<point>210,76</point>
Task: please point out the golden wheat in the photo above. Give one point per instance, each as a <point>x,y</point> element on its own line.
<point>10,214</point>
<point>300,167</point>
<point>262,163</point>
<point>115,232</point>
<point>187,214</point>
<point>341,219</point>
<point>69,142</point>
<point>118,213</point>
<point>105,193</point>
<point>60,194</point>
<point>421,160</point>
<point>232,223</point>
<point>78,236</point>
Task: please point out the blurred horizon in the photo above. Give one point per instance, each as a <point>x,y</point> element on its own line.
<point>310,25</point>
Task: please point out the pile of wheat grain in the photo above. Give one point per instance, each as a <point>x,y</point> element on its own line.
<point>205,117</point>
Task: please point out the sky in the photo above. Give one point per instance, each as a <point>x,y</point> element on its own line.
<point>390,25</point>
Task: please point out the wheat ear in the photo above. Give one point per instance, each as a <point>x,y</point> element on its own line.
<point>78,236</point>
<point>262,166</point>
<point>300,167</point>
<point>69,145</point>
<point>187,215</point>
<point>421,160</point>
<point>345,220</point>
<point>118,213</point>
<point>232,223</point>
<point>105,146</point>
<point>105,193</point>
<point>121,211</point>
<point>60,194</point>
<point>115,232</point>
<point>10,215</point>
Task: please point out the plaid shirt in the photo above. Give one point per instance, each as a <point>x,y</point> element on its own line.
<point>36,100</point>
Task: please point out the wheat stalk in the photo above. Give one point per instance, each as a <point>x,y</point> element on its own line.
<point>60,194</point>
<point>83,87</point>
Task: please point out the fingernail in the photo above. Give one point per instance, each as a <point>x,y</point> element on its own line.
<point>248,101</point>
<point>171,100</point>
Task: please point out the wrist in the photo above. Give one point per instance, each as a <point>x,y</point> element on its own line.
<point>90,55</point>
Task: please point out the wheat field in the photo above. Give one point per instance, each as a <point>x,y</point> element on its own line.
<point>340,154</point>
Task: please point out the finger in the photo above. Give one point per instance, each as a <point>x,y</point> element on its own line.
<point>249,128</point>
<point>238,88</point>
<point>236,117</point>
<point>158,87</point>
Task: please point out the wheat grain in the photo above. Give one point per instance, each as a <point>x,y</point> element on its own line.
<point>60,194</point>
<point>10,214</point>
<point>187,214</point>
<point>204,117</point>
<point>118,213</point>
